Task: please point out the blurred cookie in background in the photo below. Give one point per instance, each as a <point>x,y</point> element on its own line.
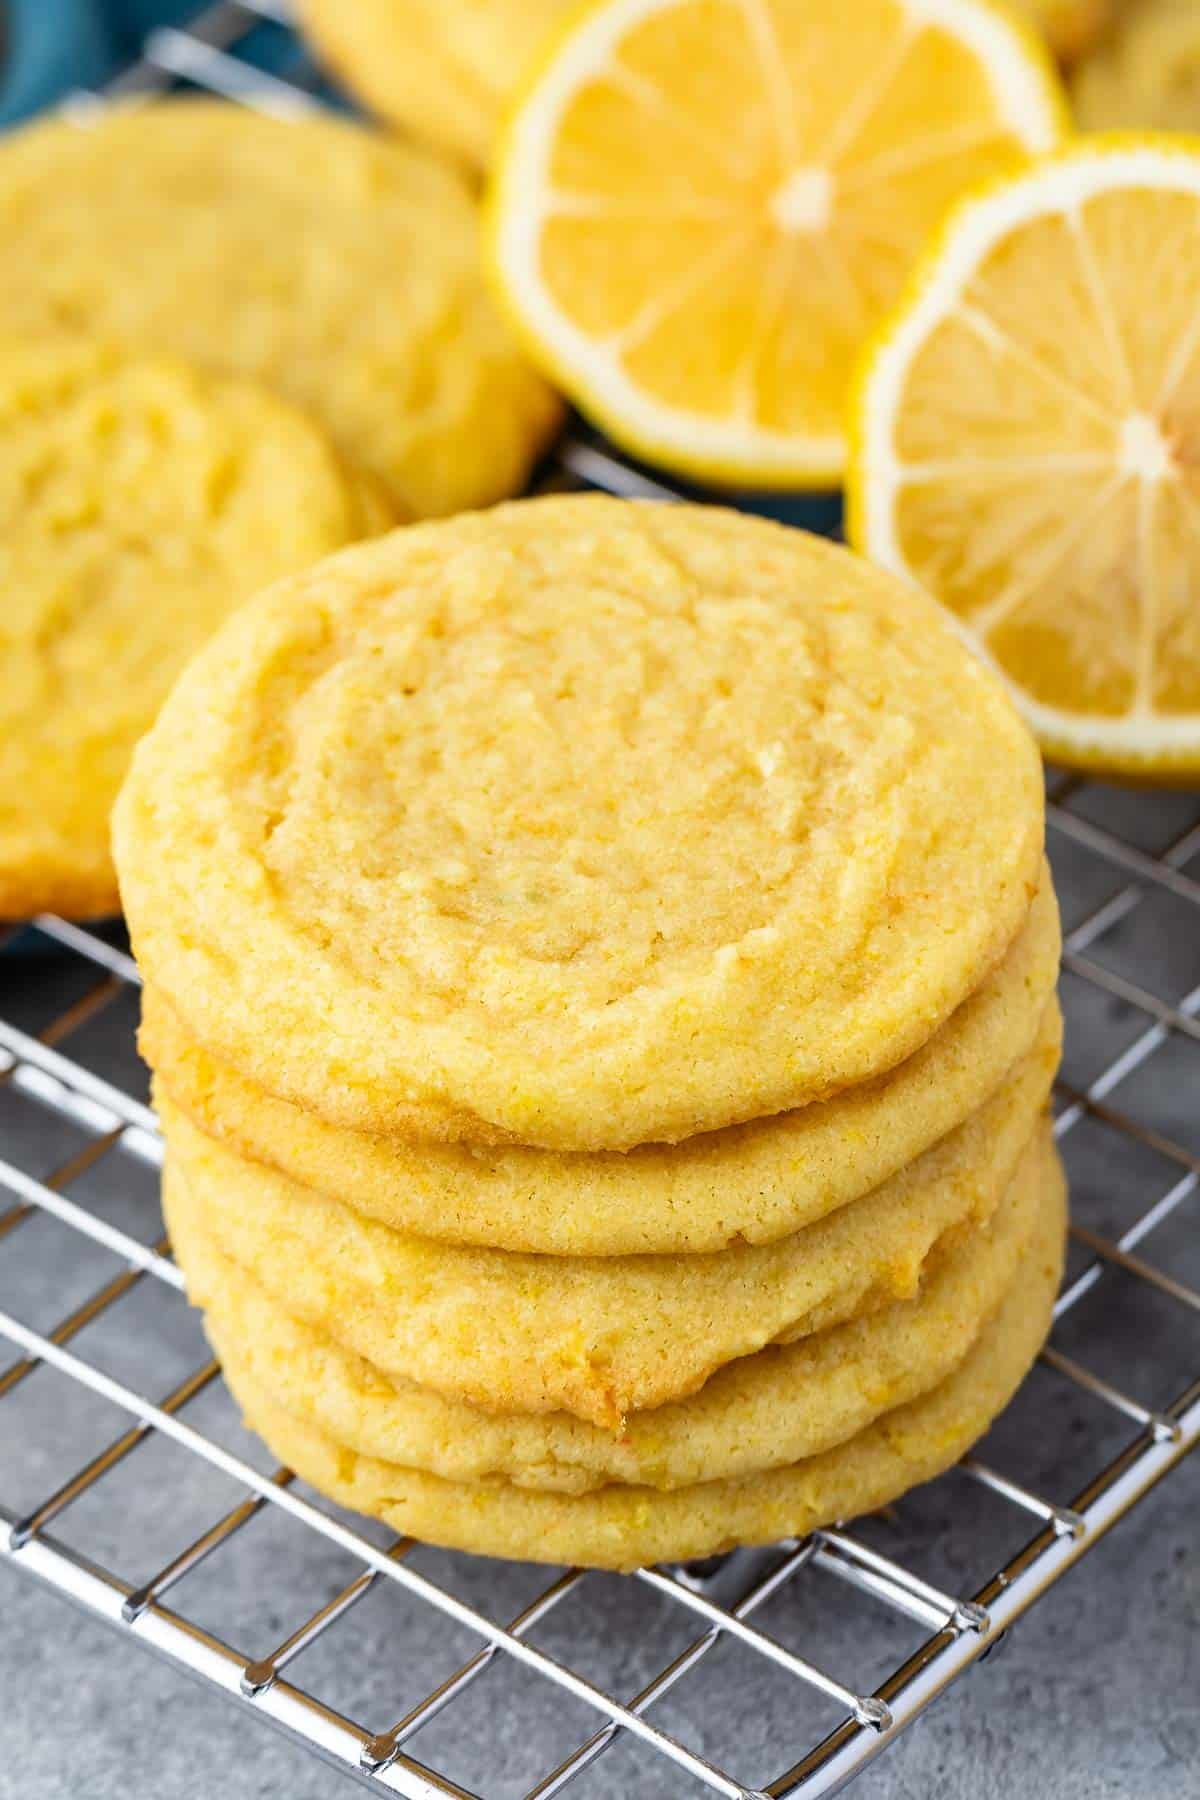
<point>140,501</point>
<point>1146,72</point>
<point>442,69</point>
<point>337,266</point>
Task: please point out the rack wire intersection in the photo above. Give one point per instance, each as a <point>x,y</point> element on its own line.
<point>846,1636</point>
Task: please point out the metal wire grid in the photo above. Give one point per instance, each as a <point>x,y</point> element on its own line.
<point>214,53</point>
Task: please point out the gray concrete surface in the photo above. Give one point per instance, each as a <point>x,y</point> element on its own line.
<point>1095,1696</point>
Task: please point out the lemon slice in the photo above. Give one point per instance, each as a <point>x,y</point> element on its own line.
<point>1028,446</point>
<point>701,207</point>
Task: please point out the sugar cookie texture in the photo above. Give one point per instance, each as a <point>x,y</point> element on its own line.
<point>623,1525</point>
<point>598,1336</point>
<point>333,264</point>
<point>759,1412</point>
<point>600,975</point>
<point>140,501</point>
<point>751,1183</point>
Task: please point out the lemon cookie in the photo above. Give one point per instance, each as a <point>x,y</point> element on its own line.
<point>598,1336</point>
<point>760,1412</point>
<point>442,69</point>
<point>621,1526</point>
<point>140,501</point>
<point>1146,72</point>
<point>334,265</point>
<point>751,1184</point>
<point>1070,27</point>
<point>580,822</point>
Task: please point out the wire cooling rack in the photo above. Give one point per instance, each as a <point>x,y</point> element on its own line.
<point>128,1484</point>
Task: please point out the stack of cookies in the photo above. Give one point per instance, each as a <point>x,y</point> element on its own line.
<point>600,987</point>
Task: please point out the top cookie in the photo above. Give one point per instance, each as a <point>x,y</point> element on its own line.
<point>582,822</point>
<point>337,266</point>
<point>443,69</point>
<point>140,501</point>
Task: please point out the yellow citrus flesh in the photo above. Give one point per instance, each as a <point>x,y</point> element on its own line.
<point>1029,447</point>
<point>702,207</point>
